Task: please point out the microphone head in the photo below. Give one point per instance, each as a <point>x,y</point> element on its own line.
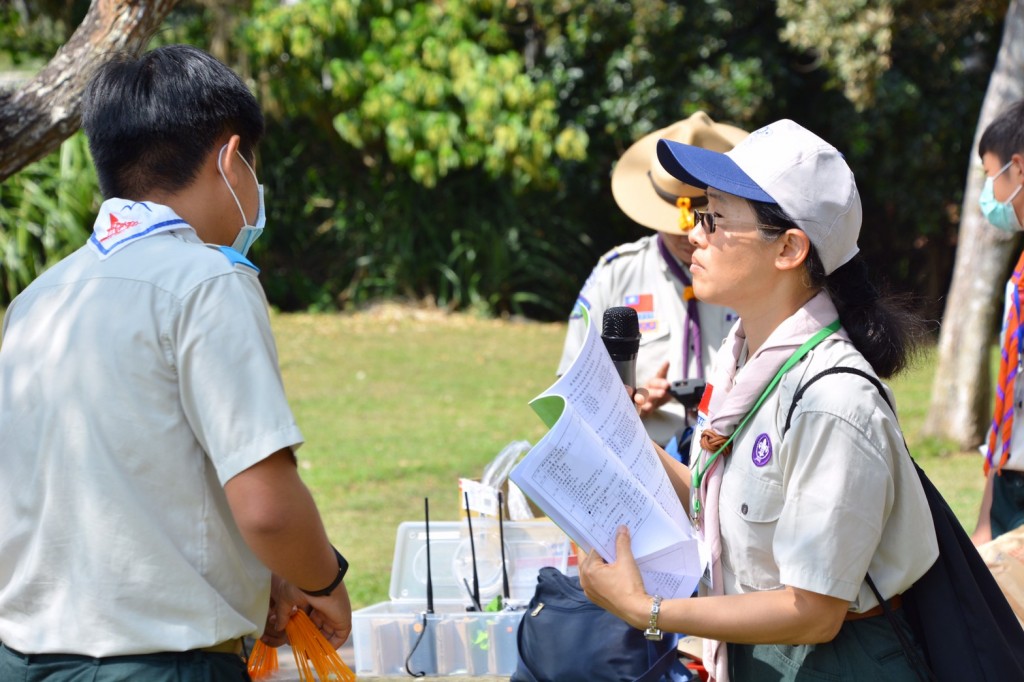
<point>620,332</point>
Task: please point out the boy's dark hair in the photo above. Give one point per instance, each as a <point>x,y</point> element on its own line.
<point>152,120</point>
<point>883,327</point>
<point>1004,136</point>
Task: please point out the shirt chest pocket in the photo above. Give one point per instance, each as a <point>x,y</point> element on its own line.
<point>749,511</point>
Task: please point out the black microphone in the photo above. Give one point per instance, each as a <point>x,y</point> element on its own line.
<point>621,335</point>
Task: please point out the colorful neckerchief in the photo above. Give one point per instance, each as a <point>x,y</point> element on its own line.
<point>1009,367</point>
<point>691,329</point>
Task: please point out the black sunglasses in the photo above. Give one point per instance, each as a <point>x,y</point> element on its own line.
<point>707,222</point>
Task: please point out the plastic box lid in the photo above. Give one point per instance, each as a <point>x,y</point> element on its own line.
<point>529,546</point>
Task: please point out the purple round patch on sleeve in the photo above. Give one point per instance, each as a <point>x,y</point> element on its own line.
<point>762,452</point>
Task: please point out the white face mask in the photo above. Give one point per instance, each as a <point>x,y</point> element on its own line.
<point>249,233</point>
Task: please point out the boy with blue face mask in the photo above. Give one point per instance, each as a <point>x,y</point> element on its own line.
<point>1002,508</point>
<point>151,513</point>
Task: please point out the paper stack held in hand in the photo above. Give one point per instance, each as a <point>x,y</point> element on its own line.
<point>597,469</point>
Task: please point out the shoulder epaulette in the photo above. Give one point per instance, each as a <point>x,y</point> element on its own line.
<point>610,256</point>
<point>622,250</point>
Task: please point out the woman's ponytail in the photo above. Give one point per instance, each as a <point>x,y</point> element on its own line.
<point>882,327</point>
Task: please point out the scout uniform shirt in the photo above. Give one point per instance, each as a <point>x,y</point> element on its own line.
<point>833,498</point>
<point>137,376</point>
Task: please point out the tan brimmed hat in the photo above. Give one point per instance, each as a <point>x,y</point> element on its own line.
<point>645,191</point>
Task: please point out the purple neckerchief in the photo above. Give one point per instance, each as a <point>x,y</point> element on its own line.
<point>692,328</point>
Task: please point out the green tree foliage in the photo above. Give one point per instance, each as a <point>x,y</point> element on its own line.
<point>854,37</point>
<point>625,69</point>
<point>46,212</point>
<point>419,135</point>
<point>913,74</point>
<point>461,151</point>
<point>30,32</point>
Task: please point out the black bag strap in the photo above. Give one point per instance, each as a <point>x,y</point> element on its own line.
<point>920,666</point>
<point>923,671</point>
<point>835,370</point>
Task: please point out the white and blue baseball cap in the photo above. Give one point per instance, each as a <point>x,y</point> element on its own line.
<point>782,163</point>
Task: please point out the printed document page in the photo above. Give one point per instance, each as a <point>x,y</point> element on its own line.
<point>596,469</point>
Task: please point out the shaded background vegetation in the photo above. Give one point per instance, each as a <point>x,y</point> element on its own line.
<point>460,152</point>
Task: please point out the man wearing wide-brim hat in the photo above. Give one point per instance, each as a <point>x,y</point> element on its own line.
<point>678,333</point>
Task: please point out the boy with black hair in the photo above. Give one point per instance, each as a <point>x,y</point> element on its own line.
<point>150,491</point>
<point>1002,154</point>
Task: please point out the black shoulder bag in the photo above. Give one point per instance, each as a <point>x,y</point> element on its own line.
<point>957,611</point>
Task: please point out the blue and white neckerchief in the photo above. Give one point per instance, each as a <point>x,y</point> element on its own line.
<point>122,221</point>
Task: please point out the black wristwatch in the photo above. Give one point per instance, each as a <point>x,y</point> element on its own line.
<point>342,569</point>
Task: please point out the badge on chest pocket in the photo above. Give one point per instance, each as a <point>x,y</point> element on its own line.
<point>646,314</point>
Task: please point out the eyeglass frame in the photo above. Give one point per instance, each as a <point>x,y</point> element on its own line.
<point>709,226</point>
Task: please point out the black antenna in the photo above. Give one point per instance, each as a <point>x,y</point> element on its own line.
<point>472,553</point>
<point>427,658</point>
<point>501,539</point>
<point>430,584</point>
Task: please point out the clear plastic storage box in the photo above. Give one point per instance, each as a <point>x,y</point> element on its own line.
<point>458,640</point>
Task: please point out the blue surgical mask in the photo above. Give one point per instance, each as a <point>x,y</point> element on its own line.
<point>249,233</point>
<point>999,213</point>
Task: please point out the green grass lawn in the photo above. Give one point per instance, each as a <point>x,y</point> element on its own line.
<point>397,406</point>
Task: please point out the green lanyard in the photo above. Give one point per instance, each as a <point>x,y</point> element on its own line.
<point>797,355</point>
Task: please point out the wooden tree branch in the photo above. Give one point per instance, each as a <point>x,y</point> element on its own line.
<point>36,118</point>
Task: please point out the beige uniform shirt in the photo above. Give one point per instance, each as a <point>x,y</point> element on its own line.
<point>636,275</point>
<point>131,390</point>
<point>833,499</point>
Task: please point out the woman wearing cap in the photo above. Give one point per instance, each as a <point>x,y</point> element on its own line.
<point>795,518</point>
<point>678,334</point>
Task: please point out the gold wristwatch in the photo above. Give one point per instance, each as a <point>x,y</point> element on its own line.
<point>653,632</point>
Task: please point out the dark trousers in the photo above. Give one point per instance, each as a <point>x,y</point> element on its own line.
<point>864,651</point>
<point>1007,502</point>
<point>187,666</point>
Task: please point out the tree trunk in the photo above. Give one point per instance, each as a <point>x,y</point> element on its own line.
<point>960,401</point>
<point>35,119</point>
